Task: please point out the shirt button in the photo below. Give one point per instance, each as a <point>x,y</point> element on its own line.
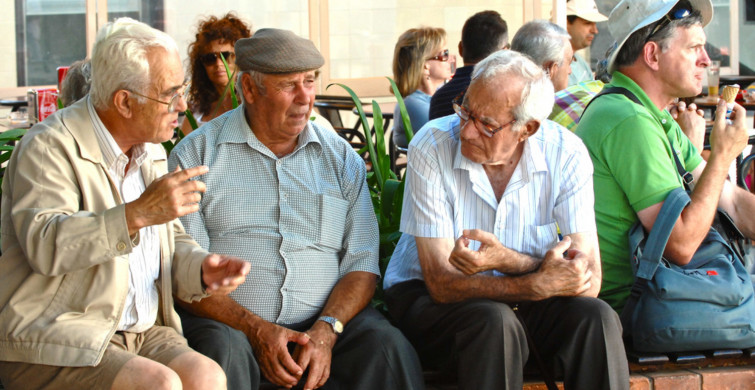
<point>663,121</point>
<point>120,246</point>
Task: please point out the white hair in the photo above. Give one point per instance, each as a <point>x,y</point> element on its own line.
<point>119,58</point>
<point>542,41</point>
<point>537,96</point>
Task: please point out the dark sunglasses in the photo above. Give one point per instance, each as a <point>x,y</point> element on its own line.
<point>442,57</point>
<point>211,58</point>
<point>675,14</point>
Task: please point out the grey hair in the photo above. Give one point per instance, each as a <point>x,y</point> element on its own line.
<point>119,58</point>
<point>544,42</point>
<point>537,96</point>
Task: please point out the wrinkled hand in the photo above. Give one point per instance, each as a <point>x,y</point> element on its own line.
<point>222,274</point>
<point>491,255</point>
<point>691,120</point>
<point>270,345</point>
<point>728,140</point>
<point>563,276</point>
<point>167,198</point>
<point>316,355</point>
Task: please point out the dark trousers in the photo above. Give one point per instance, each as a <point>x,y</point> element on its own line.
<point>369,354</point>
<point>481,340</point>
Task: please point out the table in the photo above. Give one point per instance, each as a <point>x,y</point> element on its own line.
<point>15,102</point>
<point>708,103</point>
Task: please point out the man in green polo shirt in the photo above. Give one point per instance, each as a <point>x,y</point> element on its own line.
<point>660,57</point>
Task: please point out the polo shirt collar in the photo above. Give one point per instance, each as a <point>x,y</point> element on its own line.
<point>663,117</point>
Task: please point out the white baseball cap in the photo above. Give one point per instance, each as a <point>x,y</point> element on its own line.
<point>631,15</point>
<point>585,9</point>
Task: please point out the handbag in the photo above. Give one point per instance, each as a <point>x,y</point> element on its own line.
<point>706,304</point>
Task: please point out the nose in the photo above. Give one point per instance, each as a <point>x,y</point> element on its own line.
<point>704,58</point>
<point>594,29</point>
<point>468,130</point>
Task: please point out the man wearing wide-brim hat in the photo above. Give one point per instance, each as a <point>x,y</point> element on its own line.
<point>290,197</point>
<point>582,17</point>
<point>660,56</point>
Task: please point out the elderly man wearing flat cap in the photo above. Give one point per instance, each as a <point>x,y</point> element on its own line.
<point>582,17</point>
<point>289,197</point>
<point>660,56</point>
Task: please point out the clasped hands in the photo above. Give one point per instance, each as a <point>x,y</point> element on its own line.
<point>563,271</point>
<point>313,351</point>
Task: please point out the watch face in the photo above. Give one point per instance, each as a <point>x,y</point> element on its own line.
<point>338,327</point>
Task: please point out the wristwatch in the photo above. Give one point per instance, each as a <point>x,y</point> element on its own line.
<point>337,325</point>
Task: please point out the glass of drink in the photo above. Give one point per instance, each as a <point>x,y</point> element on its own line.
<point>714,77</point>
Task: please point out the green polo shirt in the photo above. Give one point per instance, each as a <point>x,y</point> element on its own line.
<point>631,153</point>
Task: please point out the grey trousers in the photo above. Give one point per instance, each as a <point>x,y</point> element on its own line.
<point>369,354</point>
<point>482,341</point>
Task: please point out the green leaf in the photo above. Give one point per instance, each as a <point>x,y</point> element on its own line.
<point>231,87</point>
<point>191,119</point>
<point>365,127</point>
<point>405,120</point>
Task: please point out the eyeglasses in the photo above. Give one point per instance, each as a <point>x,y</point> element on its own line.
<point>182,93</point>
<point>211,58</point>
<point>442,57</point>
<point>676,14</point>
<point>466,116</point>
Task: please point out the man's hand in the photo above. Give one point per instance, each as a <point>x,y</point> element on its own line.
<point>728,140</point>
<point>692,122</point>
<point>167,198</point>
<point>491,255</point>
<point>317,354</point>
<point>270,345</point>
<point>562,276</point>
<point>222,274</point>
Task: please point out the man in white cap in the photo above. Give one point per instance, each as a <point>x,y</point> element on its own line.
<point>582,17</point>
<point>660,56</point>
<point>290,197</point>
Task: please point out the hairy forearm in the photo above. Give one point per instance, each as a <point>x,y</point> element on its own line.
<point>224,309</point>
<point>696,218</point>
<point>516,263</point>
<point>350,295</point>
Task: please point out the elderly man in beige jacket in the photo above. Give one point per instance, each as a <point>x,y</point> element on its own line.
<point>92,252</point>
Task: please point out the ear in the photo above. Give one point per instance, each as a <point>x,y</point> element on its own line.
<point>651,53</point>
<point>461,49</point>
<point>551,69</point>
<point>247,84</point>
<point>123,104</point>
<point>529,129</point>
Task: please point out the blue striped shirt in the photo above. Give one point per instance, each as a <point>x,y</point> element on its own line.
<point>447,193</point>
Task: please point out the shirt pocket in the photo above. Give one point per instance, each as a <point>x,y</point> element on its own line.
<point>332,221</point>
<point>541,239</point>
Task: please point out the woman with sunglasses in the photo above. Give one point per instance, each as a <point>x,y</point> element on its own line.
<point>209,95</point>
<point>421,64</point>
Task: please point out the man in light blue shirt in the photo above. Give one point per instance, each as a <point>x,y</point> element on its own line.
<point>486,192</point>
<point>290,197</point>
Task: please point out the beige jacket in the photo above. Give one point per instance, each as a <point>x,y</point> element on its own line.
<point>65,247</point>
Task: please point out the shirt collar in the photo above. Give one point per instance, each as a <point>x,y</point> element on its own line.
<point>237,130</point>
<point>531,161</point>
<point>112,154</point>
<point>662,116</point>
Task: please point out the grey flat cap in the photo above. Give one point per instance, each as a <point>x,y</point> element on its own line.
<point>271,50</point>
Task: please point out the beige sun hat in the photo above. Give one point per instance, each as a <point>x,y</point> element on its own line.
<point>631,15</point>
<point>585,9</point>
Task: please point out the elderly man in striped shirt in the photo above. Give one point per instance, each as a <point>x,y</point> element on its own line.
<point>487,192</point>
